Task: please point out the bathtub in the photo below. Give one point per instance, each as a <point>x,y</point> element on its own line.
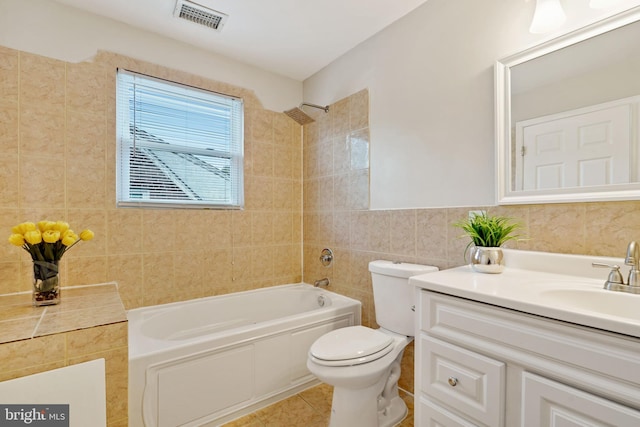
<point>210,360</point>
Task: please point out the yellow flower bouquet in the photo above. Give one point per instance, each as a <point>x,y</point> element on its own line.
<point>46,242</point>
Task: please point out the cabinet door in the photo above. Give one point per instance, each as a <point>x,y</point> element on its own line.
<point>548,403</point>
<point>471,383</point>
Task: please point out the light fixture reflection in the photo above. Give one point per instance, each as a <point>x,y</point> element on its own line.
<point>548,16</point>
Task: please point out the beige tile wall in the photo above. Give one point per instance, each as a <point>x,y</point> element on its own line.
<point>336,215</point>
<point>109,342</point>
<point>57,161</point>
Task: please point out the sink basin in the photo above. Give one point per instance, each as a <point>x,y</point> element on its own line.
<point>610,303</point>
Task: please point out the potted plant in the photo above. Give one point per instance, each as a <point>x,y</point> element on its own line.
<point>488,234</point>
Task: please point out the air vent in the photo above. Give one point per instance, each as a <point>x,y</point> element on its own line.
<point>200,15</point>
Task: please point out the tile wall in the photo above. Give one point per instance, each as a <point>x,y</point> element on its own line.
<point>57,161</point>
<point>40,354</point>
<point>336,215</point>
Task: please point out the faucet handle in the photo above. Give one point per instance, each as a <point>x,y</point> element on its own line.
<point>633,259</point>
<point>326,257</point>
<point>615,277</point>
<point>633,254</point>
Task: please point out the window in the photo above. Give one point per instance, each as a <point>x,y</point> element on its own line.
<point>178,146</point>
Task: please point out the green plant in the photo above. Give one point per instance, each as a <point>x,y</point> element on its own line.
<point>488,231</point>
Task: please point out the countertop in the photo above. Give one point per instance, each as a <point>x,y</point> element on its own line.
<point>528,290</point>
<point>81,307</point>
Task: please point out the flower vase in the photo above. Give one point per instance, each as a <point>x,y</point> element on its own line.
<point>46,283</point>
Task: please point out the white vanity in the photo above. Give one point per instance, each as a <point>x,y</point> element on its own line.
<point>541,344</point>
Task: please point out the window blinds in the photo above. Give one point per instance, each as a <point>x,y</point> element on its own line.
<point>178,146</point>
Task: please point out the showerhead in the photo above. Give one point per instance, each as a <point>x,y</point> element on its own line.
<point>300,116</point>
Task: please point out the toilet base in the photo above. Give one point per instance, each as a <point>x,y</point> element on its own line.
<point>355,407</point>
<point>362,411</point>
<point>394,413</point>
<point>378,405</point>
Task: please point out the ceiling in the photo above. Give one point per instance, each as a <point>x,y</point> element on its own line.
<point>294,38</point>
<point>588,56</point>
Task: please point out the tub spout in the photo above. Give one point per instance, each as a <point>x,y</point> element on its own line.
<point>321,282</point>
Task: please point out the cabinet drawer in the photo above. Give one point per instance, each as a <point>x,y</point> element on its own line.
<point>432,414</point>
<point>548,403</point>
<point>458,378</point>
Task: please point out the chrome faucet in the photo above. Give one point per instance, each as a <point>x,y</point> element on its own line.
<point>615,282</point>
<point>321,282</point>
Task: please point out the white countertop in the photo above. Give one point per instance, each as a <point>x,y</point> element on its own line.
<point>533,291</point>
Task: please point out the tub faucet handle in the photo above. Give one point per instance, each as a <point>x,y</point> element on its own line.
<point>326,257</point>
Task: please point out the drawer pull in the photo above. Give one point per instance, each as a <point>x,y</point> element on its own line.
<point>453,381</point>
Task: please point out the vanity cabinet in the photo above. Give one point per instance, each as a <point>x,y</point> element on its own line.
<point>483,365</point>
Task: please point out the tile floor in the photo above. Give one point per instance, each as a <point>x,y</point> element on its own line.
<point>309,408</point>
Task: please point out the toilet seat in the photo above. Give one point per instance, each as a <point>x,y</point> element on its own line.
<point>350,346</point>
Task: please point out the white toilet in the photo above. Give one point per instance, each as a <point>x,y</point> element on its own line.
<point>363,364</point>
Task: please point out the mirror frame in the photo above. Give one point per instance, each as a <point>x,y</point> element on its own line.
<point>504,169</point>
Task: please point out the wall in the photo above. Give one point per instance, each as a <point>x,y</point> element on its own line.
<point>57,161</point>
<point>336,217</point>
<point>54,30</point>
<point>430,80</point>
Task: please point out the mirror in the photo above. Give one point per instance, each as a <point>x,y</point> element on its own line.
<point>567,116</point>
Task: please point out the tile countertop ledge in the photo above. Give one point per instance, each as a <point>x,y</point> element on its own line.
<point>522,285</point>
<point>81,307</point>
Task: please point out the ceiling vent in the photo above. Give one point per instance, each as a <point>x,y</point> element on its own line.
<point>194,12</point>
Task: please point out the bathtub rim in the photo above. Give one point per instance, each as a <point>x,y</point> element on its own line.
<point>154,346</point>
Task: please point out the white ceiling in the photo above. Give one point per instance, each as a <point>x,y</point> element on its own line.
<point>578,59</point>
<point>294,38</point>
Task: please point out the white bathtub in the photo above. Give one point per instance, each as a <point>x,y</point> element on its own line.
<point>210,360</point>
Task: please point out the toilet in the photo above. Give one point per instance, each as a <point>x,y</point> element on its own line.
<point>363,364</point>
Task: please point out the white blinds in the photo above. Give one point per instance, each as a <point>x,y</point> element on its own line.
<point>178,146</point>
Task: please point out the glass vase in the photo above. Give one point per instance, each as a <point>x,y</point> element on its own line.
<point>46,283</point>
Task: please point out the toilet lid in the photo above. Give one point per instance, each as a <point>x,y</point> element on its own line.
<point>350,346</point>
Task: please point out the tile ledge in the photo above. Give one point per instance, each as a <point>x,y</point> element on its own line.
<point>93,285</point>
<point>22,299</point>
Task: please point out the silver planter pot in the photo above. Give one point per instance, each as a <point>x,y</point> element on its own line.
<point>487,260</point>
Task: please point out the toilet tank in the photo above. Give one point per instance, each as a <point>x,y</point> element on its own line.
<point>394,298</point>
